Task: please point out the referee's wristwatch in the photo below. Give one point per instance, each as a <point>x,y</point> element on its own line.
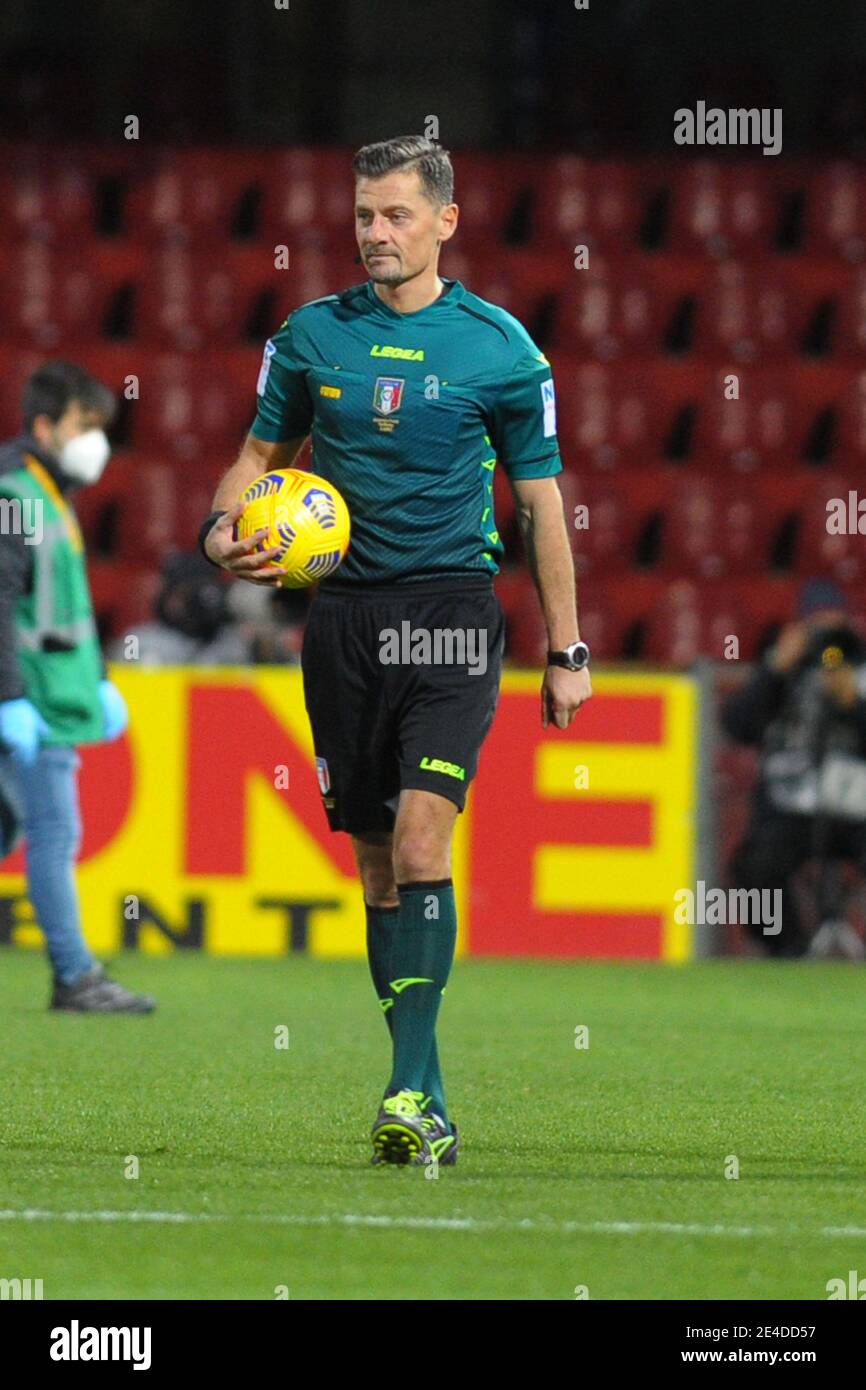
<point>573,658</point>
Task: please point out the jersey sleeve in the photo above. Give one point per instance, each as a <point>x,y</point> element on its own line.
<point>523,420</point>
<point>285,410</point>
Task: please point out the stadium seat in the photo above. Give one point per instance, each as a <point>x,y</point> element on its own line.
<point>746,418</point>
<point>847,308</point>
<point>49,299</point>
<point>307,199</point>
<point>186,194</point>
<point>723,209</point>
<point>186,304</point>
<point>582,202</point>
<point>489,193</point>
<point>690,620</point>
<point>836,212</point>
<point>615,416</point>
<point>613,515</point>
<point>45,198</point>
<point>627,305</point>
<point>685,290</point>
<point>823,551</point>
<point>713,526</point>
<point>751,312</point>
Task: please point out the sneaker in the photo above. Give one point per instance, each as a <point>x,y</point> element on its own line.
<point>442,1142</point>
<point>398,1134</point>
<point>94,993</point>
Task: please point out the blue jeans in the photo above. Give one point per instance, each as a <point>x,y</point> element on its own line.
<point>48,790</point>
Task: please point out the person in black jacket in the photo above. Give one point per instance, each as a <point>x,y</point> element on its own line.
<point>804,708</point>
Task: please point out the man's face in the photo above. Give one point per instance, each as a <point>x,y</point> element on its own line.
<point>397,228</point>
<point>75,420</point>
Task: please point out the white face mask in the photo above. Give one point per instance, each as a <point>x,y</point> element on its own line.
<point>85,456</point>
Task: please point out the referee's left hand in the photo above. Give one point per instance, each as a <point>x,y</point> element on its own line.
<point>562,694</point>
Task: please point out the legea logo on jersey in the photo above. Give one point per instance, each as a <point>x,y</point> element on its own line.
<point>406,354</point>
<point>387,398</point>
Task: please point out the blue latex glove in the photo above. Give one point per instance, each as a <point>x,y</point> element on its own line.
<point>114,710</point>
<point>21,725</point>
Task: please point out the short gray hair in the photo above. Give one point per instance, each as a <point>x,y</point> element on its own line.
<point>410,152</point>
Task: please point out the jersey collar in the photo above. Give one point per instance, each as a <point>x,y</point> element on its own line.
<point>453,292</point>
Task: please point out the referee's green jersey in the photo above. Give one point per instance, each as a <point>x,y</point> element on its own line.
<point>409,414</point>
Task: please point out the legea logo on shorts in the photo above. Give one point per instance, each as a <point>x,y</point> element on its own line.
<point>438,646</point>
<point>439,765</point>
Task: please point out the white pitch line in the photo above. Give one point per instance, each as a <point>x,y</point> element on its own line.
<point>434,1223</point>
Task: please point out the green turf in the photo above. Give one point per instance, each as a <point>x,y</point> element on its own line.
<point>686,1065</point>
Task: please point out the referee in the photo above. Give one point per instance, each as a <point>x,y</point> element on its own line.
<point>413,390</point>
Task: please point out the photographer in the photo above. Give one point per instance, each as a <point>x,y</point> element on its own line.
<point>804,707</point>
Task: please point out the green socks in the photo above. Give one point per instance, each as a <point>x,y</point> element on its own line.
<point>410,950</point>
<point>381,926</point>
<point>421,957</point>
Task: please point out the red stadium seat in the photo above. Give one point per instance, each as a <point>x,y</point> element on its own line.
<point>487,192</point>
<point>613,512</point>
<point>188,406</point>
<point>308,198</point>
<point>848,330</point>
<point>821,549</point>
<point>748,418</point>
<point>188,304</point>
<point>44,197</point>
<point>621,415</point>
<point>723,210</point>
<point>148,519</point>
<point>49,299</point>
<point>690,620</point>
<point>122,594</point>
<point>184,194</point>
<point>583,202</point>
<point>852,425</point>
<point>713,527</point>
<point>751,312</point>
<point>16,366</point>
<point>623,306</point>
<point>836,212</point>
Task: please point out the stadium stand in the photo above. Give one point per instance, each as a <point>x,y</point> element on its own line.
<point>708,359</point>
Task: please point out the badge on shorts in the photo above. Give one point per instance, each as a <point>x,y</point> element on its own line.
<point>323,775</point>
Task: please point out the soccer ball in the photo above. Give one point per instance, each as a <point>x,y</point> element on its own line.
<point>305,516</point>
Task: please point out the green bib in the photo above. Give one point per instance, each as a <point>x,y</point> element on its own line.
<point>58,645</point>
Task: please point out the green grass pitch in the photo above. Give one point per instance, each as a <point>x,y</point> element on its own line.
<point>601,1167</point>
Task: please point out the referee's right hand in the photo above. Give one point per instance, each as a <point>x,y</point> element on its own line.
<point>241,558</point>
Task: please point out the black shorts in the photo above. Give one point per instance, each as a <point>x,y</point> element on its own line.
<point>401,684</point>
